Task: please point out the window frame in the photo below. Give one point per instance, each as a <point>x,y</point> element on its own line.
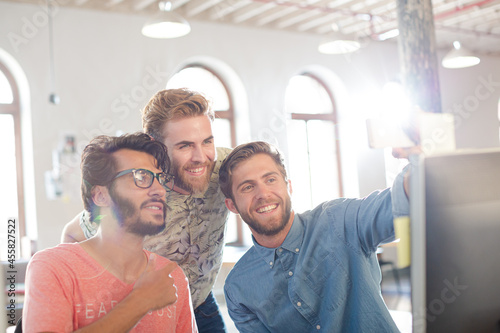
<point>227,114</point>
<point>14,109</point>
<point>331,117</point>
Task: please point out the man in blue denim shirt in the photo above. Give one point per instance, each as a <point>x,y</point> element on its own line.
<point>310,272</point>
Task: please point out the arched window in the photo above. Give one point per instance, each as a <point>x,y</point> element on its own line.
<point>202,79</point>
<point>11,167</point>
<point>313,142</point>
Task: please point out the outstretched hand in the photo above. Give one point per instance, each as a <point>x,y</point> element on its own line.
<point>406,152</point>
<point>157,286</point>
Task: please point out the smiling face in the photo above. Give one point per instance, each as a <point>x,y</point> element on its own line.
<point>141,211</point>
<point>191,149</point>
<point>261,196</point>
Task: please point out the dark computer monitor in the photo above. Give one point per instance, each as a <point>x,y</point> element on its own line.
<point>455,242</point>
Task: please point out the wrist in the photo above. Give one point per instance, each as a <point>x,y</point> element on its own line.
<point>138,302</point>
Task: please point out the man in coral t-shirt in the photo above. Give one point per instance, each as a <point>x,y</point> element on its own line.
<point>109,283</point>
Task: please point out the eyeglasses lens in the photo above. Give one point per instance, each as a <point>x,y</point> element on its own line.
<point>167,181</point>
<point>143,178</point>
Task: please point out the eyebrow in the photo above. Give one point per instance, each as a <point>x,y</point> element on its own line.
<point>247,181</point>
<point>182,143</point>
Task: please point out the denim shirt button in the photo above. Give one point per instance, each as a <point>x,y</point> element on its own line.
<point>299,304</point>
<point>297,250</point>
<point>318,327</point>
<point>290,273</point>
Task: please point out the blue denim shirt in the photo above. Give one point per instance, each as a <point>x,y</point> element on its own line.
<point>325,276</point>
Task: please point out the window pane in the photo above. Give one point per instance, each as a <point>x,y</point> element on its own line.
<point>8,194</point>
<point>322,156</point>
<point>201,80</point>
<point>222,132</point>
<point>313,163</point>
<point>6,96</point>
<point>299,165</point>
<point>304,94</point>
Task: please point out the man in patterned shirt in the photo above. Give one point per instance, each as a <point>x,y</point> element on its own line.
<point>194,236</point>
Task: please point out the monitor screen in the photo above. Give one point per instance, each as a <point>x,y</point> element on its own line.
<point>455,242</point>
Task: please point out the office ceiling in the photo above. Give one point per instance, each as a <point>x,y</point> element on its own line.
<point>475,23</point>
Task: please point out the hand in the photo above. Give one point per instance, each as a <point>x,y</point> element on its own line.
<point>157,288</point>
<point>406,152</point>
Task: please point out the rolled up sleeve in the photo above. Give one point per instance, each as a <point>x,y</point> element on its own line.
<point>400,202</point>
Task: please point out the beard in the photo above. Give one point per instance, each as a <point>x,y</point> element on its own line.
<point>194,185</point>
<point>268,230</point>
<point>128,216</point>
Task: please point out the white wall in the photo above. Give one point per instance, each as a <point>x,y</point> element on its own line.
<point>106,70</point>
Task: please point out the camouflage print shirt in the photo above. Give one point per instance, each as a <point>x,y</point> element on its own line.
<point>194,236</point>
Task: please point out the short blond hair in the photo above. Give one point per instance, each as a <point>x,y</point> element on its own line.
<point>171,104</point>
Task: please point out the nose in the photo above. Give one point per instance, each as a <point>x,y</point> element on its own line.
<point>263,192</point>
<point>157,189</point>
<point>198,155</point>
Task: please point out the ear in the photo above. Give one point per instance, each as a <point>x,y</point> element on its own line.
<point>100,196</point>
<point>231,206</point>
<point>289,184</point>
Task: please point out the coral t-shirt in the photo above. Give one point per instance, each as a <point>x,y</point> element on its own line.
<point>66,289</point>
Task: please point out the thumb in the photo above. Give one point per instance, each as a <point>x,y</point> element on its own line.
<point>151,263</point>
<point>172,266</point>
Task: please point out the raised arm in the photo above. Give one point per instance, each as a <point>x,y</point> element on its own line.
<point>72,232</point>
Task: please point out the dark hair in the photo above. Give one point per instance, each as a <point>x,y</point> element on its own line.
<point>99,167</point>
<point>242,153</point>
<point>172,104</point>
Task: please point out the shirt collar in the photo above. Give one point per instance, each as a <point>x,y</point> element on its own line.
<point>292,243</point>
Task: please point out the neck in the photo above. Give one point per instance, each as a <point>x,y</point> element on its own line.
<point>119,252</point>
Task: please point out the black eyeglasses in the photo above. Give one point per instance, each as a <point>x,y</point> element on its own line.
<point>144,178</point>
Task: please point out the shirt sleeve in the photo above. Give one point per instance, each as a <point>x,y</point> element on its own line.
<point>186,322</point>
<point>400,202</point>
<point>89,228</point>
<point>245,320</point>
<point>47,307</point>
<point>368,222</point>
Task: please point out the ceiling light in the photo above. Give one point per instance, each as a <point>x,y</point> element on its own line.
<point>459,57</point>
<point>339,44</point>
<point>166,24</point>
<point>388,34</point>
